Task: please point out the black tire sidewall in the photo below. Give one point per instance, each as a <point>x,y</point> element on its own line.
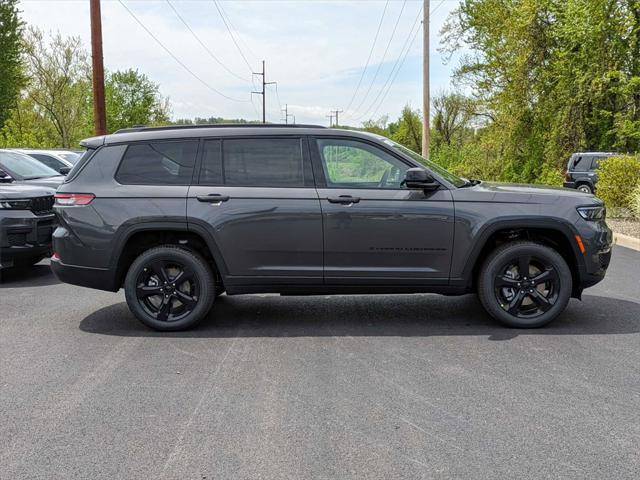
<point>498,258</point>
<point>202,272</point>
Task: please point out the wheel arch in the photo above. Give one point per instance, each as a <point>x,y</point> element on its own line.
<point>134,239</point>
<point>554,233</point>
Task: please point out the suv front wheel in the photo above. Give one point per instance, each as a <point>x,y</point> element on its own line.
<point>169,288</point>
<point>524,284</point>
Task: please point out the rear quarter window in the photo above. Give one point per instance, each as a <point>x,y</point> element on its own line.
<point>158,163</point>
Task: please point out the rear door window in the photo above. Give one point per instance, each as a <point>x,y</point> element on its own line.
<point>253,162</point>
<point>158,163</point>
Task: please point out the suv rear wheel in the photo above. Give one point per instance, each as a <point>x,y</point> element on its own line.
<point>585,188</point>
<point>524,284</point>
<point>169,288</point>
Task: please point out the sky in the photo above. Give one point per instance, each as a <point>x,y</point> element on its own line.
<point>316,51</point>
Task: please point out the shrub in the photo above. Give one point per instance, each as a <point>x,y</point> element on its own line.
<point>617,179</point>
<point>635,201</point>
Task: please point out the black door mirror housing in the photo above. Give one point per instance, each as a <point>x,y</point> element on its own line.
<point>64,170</point>
<point>419,179</point>
<point>5,177</point>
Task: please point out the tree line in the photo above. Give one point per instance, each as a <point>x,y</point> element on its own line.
<point>540,79</point>
<point>45,89</point>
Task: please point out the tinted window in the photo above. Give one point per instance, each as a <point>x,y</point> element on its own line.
<point>23,167</point>
<point>353,164</point>
<point>581,163</point>
<point>269,162</point>
<point>211,171</point>
<point>596,162</point>
<point>161,163</point>
<point>48,161</point>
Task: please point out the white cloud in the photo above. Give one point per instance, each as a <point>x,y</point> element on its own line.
<point>314,49</point>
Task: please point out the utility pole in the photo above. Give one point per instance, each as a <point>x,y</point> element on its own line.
<point>426,107</point>
<point>287,114</point>
<point>336,112</point>
<point>264,96</point>
<point>99,113</point>
<point>330,117</point>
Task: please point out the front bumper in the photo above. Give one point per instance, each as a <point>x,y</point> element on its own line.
<point>598,242</point>
<point>24,237</point>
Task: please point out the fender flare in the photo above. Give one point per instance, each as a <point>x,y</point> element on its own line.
<point>549,223</point>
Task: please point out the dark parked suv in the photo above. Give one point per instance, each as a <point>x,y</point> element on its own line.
<point>26,224</point>
<point>581,170</point>
<point>177,216</point>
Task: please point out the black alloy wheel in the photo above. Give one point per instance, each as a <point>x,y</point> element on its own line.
<point>524,284</point>
<point>169,288</point>
<point>527,286</point>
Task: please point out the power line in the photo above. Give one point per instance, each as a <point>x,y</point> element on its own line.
<point>215,2</point>
<point>207,49</point>
<point>233,27</point>
<point>384,55</point>
<point>375,39</point>
<point>404,46</point>
<point>406,53</point>
<point>213,89</point>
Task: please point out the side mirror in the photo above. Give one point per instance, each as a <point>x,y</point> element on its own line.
<point>419,179</point>
<point>5,177</point>
<point>64,170</point>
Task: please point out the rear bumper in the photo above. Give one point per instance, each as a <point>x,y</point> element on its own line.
<point>569,184</point>
<point>24,237</point>
<point>101,279</point>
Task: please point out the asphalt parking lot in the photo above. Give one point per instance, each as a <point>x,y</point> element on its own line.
<point>376,387</point>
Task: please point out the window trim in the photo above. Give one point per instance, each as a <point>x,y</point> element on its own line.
<point>147,142</point>
<point>308,171</point>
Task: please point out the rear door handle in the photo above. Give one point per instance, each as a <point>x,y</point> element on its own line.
<point>344,199</point>
<point>212,198</point>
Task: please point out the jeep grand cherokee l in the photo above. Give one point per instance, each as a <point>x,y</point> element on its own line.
<point>177,216</point>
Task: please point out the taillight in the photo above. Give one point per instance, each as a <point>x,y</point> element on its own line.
<point>74,199</point>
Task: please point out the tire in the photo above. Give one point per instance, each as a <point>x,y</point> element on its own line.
<point>585,188</point>
<point>161,303</point>
<point>528,300</point>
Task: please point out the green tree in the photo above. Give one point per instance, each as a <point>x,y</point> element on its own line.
<point>11,74</point>
<point>133,99</point>
<point>59,84</point>
<point>556,76</point>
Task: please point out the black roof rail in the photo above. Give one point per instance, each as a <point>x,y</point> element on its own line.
<point>142,128</point>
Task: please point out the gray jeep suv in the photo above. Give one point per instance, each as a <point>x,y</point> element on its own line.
<point>178,215</point>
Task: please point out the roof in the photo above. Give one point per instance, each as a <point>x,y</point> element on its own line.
<point>137,134</point>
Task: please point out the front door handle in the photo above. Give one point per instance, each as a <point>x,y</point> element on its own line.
<point>212,198</point>
<point>344,199</point>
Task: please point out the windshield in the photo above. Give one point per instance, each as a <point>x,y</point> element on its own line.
<point>446,174</point>
<point>24,167</point>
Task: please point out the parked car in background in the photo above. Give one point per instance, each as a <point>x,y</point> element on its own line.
<point>178,215</point>
<point>21,168</point>
<point>581,168</point>
<point>55,159</point>
<point>26,224</point>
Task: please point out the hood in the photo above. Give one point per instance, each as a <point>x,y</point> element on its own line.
<point>20,190</point>
<point>50,182</point>
<point>523,193</point>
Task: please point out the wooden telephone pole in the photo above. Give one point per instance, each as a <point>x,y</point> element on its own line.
<point>264,97</point>
<point>99,113</point>
<point>426,107</point>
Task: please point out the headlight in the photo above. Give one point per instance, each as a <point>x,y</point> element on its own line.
<point>592,213</point>
<point>19,204</point>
